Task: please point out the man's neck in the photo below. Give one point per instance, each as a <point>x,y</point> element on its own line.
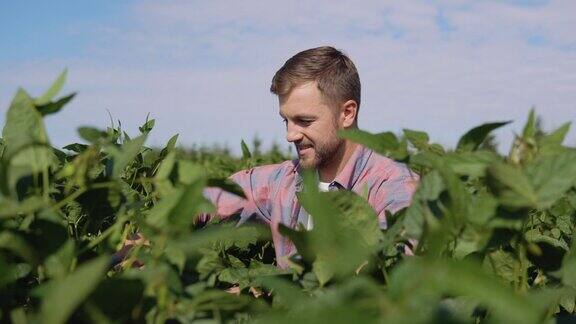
<point>329,172</point>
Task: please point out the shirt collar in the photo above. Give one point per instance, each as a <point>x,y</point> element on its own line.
<point>349,175</point>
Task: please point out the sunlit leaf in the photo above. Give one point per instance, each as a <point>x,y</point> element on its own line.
<point>512,187</point>
<point>530,126</point>
<point>54,107</point>
<point>91,134</point>
<point>66,294</point>
<point>551,176</point>
<point>54,89</point>
<point>126,154</point>
<point>417,138</point>
<point>474,137</point>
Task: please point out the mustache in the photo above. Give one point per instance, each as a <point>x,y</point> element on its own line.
<point>303,146</point>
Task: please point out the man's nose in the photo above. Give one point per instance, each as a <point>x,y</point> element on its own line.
<point>293,134</point>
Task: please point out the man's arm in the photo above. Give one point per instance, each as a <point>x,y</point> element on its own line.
<point>394,193</point>
<point>254,183</point>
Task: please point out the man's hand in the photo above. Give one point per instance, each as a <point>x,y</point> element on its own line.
<point>119,258</point>
<point>256,292</point>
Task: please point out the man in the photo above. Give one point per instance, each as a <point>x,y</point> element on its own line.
<point>319,94</point>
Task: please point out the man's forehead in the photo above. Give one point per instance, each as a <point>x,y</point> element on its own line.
<point>305,92</point>
<point>300,110</point>
<point>299,114</point>
<point>302,102</point>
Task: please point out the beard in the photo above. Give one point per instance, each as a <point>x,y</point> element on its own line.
<point>323,154</point>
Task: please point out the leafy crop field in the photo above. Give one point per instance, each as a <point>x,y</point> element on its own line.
<point>492,235</point>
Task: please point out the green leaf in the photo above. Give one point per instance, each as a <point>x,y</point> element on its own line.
<point>11,208</point>
<point>482,208</point>
<point>346,230</point>
<point>301,240</point>
<point>323,269</point>
<point>163,176</point>
<point>225,235</point>
<point>258,269</point>
<point>227,185</point>
<point>357,300</point>
<point>537,238</point>
<point>472,164</point>
<point>208,300</point>
<point>170,146</point>
<point>17,244</point>
<point>91,134</point>
<point>126,154</point>
<point>176,257</point>
<point>568,301</point>
<point>418,139</point>
<point>179,208</point>
<point>10,272</point>
<point>245,151</point>
<point>504,265</point>
<point>488,291</point>
<point>59,264</point>
<point>555,138</point>
<point>459,197</point>
<point>158,215</point>
<point>235,276</point>
<point>76,147</point>
<point>530,127</point>
<point>188,171</point>
<point>462,278</point>
<point>191,203</point>
<point>166,167</point>
<point>53,90</point>
<point>431,186</point>
<point>115,305</point>
<point>46,236</point>
<point>289,294</point>
<point>511,186</point>
<point>172,143</point>
<point>385,144</point>
<point>474,137</point>
<point>18,316</point>
<point>24,125</point>
<point>27,151</point>
<point>552,176</point>
<point>437,149</point>
<point>54,107</point>
<point>147,127</point>
<point>568,270</point>
<point>66,294</point>
<point>469,241</point>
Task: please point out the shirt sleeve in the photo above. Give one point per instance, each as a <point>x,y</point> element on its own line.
<point>395,192</point>
<point>255,185</point>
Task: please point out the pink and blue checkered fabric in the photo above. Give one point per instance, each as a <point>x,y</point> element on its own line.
<point>271,192</point>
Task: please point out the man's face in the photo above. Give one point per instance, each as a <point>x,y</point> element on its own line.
<point>312,125</point>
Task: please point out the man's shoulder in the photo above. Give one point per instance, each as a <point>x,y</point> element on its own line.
<point>272,172</point>
<point>278,169</point>
<point>385,167</point>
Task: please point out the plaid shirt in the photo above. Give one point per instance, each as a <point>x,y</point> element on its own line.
<point>271,192</point>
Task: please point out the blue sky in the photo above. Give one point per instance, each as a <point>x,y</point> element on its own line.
<point>203,68</point>
<point>32,30</point>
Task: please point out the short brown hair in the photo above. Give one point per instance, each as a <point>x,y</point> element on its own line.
<point>334,72</point>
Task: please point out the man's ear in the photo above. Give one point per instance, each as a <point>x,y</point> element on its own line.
<point>348,112</point>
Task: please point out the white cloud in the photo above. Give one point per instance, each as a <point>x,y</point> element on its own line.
<point>203,69</point>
